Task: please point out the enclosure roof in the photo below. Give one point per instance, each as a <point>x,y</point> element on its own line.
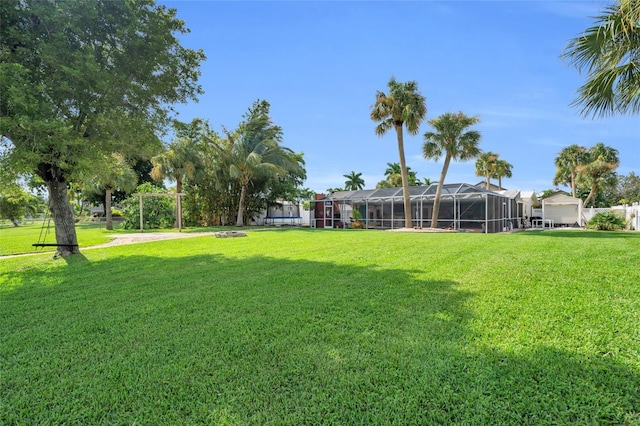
<point>459,190</point>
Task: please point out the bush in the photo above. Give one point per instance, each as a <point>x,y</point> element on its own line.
<point>606,222</point>
<point>157,212</point>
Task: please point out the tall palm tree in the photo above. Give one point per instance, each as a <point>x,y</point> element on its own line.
<point>485,166</point>
<point>254,151</point>
<point>394,177</point>
<point>451,138</point>
<point>178,163</point>
<point>114,174</point>
<point>609,52</point>
<point>354,181</point>
<point>393,169</point>
<point>403,106</point>
<point>502,168</point>
<point>412,177</point>
<point>332,190</point>
<point>567,163</point>
<point>598,170</point>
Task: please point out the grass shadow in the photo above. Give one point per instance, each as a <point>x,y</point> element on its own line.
<point>76,259</point>
<point>214,339</point>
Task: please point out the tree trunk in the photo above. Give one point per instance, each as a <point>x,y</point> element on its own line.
<point>405,178</point>
<point>573,183</point>
<point>436,202</point>
<point>591,195</point>
<point>62,215</point>
<point>179,191</point>
<point>500,182</point>
<point>488,181</point>
<point>107,210</point>
<point>240,219</point>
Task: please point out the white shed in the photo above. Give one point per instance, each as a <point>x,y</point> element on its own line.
<point>560,209</point>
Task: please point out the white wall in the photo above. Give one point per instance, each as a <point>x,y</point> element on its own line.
<point>562,213</point>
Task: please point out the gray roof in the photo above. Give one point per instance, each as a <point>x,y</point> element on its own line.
<point>459,190</point>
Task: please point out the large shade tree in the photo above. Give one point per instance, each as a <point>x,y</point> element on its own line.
<point>627,190</point>
<point>567,163</point>
<point>609,53</point>
<point>402,106</point>
<point>81,80</point>
<point>598,171</point>
<point>16,203</point>
<point>452,138</point>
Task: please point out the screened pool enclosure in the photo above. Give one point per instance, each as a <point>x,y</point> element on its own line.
<point>462,207</point>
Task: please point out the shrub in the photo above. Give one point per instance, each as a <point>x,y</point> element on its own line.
<point>606,222</point>
<point>157,212</point>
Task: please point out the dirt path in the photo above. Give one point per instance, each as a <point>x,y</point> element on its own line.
<point>143,237</point>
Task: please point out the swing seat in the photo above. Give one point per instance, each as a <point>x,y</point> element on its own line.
<point>40,238</point>
<point>53,245</point>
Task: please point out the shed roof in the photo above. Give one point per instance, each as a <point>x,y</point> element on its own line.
<point>560,197</point>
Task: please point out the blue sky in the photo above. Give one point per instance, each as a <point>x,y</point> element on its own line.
<point>320,64</point>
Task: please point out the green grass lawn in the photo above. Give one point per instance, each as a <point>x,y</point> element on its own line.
<point>18,240</point>
<point>327,326</point>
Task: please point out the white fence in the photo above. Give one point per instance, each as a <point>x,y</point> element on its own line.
<point>630,213</point>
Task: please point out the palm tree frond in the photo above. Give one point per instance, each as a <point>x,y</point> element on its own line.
<point>384,127</point>
<point>609,53</point>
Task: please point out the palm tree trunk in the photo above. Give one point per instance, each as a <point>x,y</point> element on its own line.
<point>62,215</point>
<point>107,209</point>
<point>573,183</point>
<point>179,191</point>
<point>405,178</point>
<point>488,181</point>
<point>500,182</point>
<point>240,219</point>
<point>436,202</point>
